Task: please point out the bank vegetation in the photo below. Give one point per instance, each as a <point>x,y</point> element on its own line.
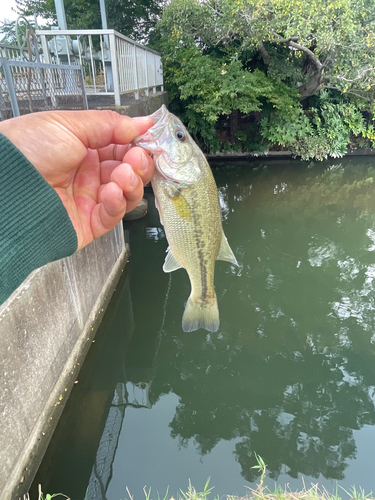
<point>257,75</point>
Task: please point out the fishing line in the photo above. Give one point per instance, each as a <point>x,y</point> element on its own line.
<point>165,306</point>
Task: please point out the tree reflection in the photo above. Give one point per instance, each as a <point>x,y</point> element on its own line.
<point>298,409</point>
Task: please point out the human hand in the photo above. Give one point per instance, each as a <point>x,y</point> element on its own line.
<point>85,156</point>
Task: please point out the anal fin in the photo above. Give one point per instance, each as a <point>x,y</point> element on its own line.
<point>171,263</point>
<point>225,252</point>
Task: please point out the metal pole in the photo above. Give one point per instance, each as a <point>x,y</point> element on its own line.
<point>83,89</point>
<point>2,106</point>
<point>107,67</point>
<point>147,92</point>
<point>46,53</point>
<point>155,73</point>
<point>116,80</point>
<point>9,80</point>
<point>135,72</point>
<point>103,14</point>
<point>60,11</point>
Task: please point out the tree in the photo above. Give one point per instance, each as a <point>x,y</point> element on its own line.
<point>8,32</point>
<point>316,44</point>
<point>208,87</point>
<point>135,19</point>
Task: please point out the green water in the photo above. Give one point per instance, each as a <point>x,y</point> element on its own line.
<point>290,375</point>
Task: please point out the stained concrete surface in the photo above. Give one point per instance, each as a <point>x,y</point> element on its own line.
<point>46,328</point>
<point>145,105</point>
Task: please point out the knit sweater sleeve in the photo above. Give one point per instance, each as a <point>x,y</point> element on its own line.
<point>34,226</point>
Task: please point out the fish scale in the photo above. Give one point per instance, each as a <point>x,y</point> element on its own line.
<point>188,203</point>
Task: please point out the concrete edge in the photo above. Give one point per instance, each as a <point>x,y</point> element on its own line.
<point>277,155</point>
<point>41,434</point>
<point>141,107</point>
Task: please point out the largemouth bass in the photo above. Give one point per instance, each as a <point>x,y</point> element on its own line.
<point>188,204</point>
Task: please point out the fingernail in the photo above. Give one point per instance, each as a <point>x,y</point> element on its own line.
<point>144,165</point>
<point>133,180</point>
<point>141,118</point>
<point>121,195</point>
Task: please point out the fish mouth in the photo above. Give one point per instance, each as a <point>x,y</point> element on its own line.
<point>154,140</point>
<point>149,140</point>
<point>160,114</point>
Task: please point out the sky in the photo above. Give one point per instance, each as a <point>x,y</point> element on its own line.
<point>6,12</point>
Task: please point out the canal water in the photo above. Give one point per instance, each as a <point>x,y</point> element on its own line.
<point>290,375</point>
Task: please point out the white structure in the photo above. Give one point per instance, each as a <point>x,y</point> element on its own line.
<point>133,67</point>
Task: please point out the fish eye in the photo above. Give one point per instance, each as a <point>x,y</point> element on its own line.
<point>180,135</point>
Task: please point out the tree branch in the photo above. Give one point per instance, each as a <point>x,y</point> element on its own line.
<point>264,53</point>
<point>360,75</point>
<point>307,51</point>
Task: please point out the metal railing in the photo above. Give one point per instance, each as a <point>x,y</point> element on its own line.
<point>113,64</point>
<point>10,52</point>
<point>26,87</point>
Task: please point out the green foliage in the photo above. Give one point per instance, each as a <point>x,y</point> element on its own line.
<point>282,131</point>
<point>232,147</point>
<point>320,132</point>
<point>41,495</point>
<point>8,32</point>
<point>323,44</point>
<point>310,147</point>
<point>135,19</point>
<point>261,467</point>
<point>192,493</point>
<point>203,87</point>
<point>215,67</point>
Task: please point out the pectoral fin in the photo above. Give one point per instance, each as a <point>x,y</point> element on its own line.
<point>157,207</point>
<point>179,202</point>
<point>171,263</point>
<point>226,253</point>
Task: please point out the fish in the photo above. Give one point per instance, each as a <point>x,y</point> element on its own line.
<point>187,199</point>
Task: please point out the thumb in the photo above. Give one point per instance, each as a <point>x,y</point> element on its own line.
<point>98,129</point>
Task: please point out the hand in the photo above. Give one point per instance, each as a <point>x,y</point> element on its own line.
<point>85,156</point>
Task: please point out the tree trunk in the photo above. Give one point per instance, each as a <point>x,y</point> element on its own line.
<point>233,124</point>
<point>309,88</point>
<point>264,54</point>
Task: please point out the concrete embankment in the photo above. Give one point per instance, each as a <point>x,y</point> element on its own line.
<point>278,155</point>
<point>46,328</point>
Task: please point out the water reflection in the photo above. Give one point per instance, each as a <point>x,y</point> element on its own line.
<point>291,373</point>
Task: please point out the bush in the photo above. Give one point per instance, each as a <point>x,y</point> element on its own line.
<point>318,132</point>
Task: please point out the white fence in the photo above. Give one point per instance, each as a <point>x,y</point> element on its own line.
<point>10,52</point>
<point>26,87</point>
<point>113,64</point>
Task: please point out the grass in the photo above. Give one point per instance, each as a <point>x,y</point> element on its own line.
<point>259,493</point>
<point>41,496</point>
<point>313,493</point>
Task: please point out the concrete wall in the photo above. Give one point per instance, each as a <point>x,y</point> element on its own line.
<point>46,328</point>
<point>142,107</point>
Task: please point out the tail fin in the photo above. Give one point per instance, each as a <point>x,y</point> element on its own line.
<point>199,314</point>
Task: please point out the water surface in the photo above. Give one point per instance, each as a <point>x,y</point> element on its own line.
<point>290,375</point>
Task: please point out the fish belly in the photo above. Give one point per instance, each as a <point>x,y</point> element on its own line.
<point>192,223</point>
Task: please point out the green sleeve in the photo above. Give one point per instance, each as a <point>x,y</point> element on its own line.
<point>34,226</point>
